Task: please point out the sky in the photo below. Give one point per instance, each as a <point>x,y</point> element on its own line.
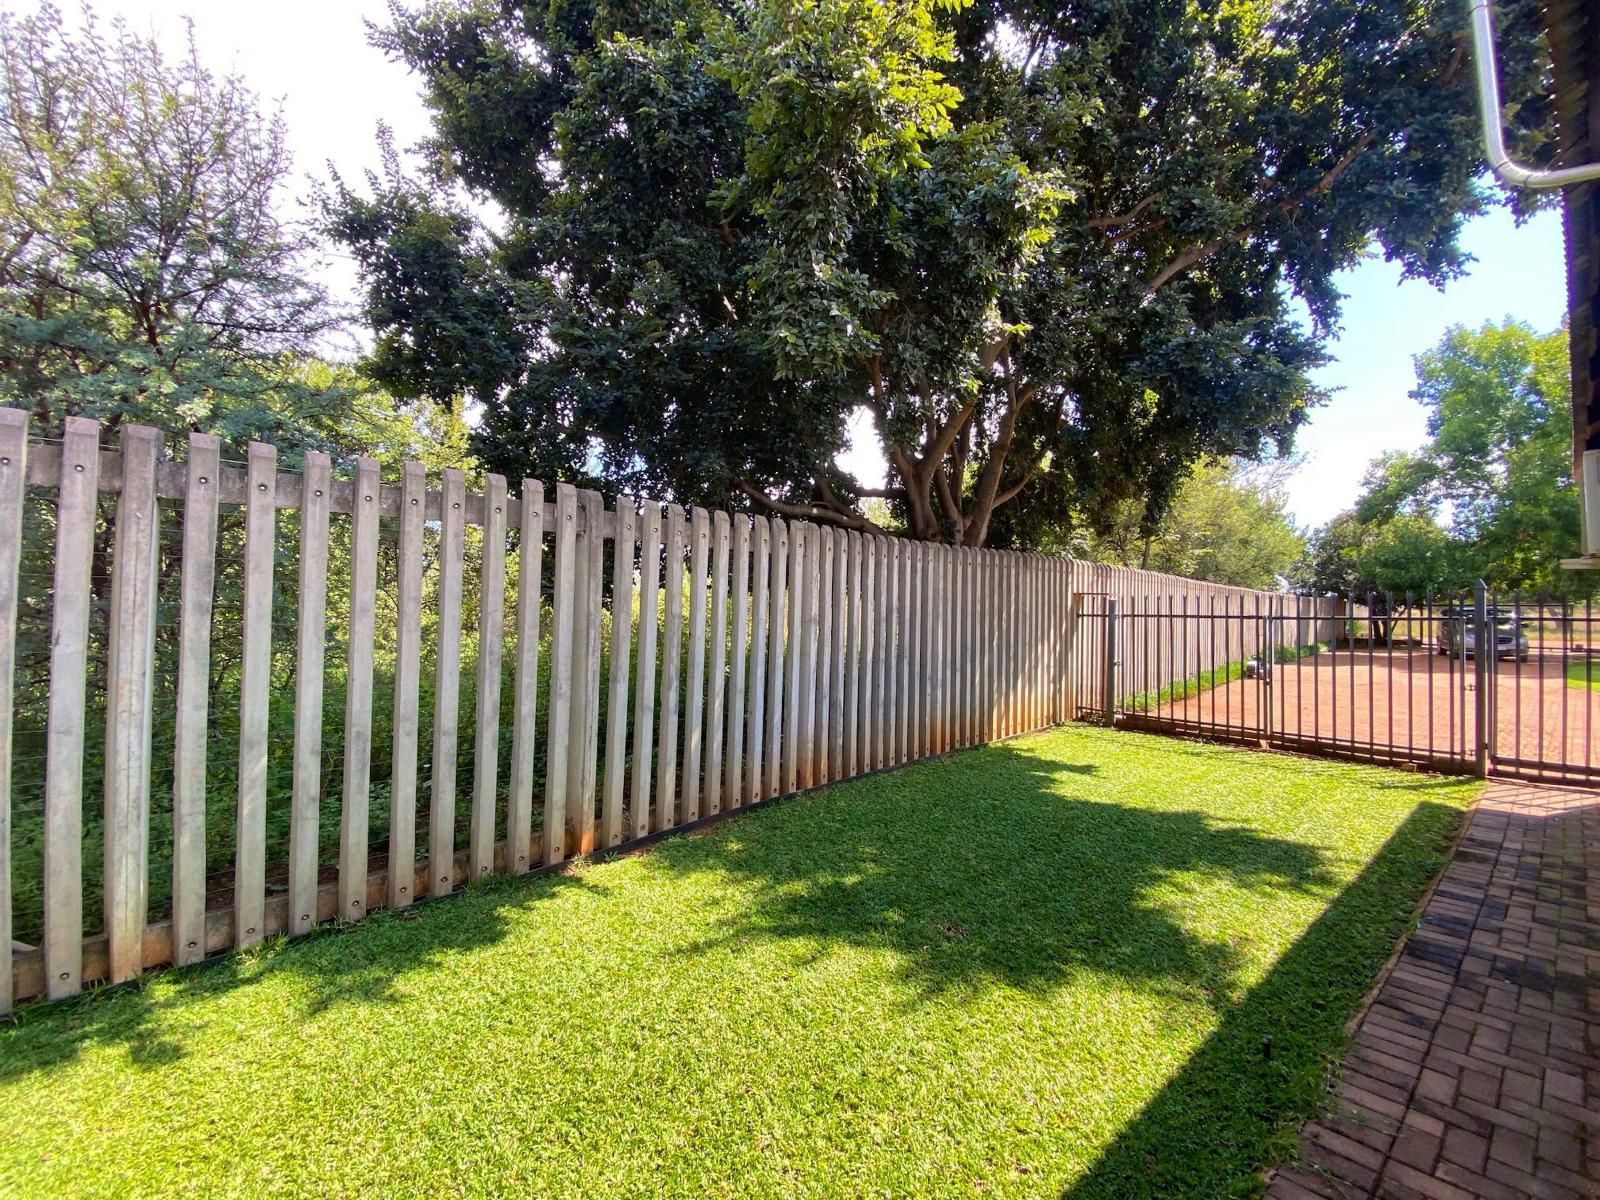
<point>312,57</point>
<point>1519,272</point>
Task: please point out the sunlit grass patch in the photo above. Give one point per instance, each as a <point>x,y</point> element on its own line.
<point>1087,963</point>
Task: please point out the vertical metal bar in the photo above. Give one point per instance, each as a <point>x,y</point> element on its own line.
<point>1457,670</point>
<point>1183,673</point>
<point>1565,623</point>
<point>1372,604</point>
<point>1354,644</point>
<point>1481,671</point>
<point>1516,691</point>
<point>1273,632</point>
<point>1146,618</point>
<point>1108,702</point>
<point>1410,673</point>
<point>1333,675</point>
<point>1314,646</point>
<point>1210,693</point>
<point>1588,648</point>
<point>1268,664</point>
<point>1539,755</point>
<point>1430,625</point>
<point>1243,628</point>
<point>1588,688</point>
<point>1389,669</point>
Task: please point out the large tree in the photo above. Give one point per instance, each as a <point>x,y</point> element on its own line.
<point>1051,247</point>
<point>146,271</point>
<point>1490,494</point>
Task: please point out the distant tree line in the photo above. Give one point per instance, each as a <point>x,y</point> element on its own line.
<point>1491,495</point>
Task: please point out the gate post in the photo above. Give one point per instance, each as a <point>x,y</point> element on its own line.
<point>1268,638</point>
<point>1110,696</point>
<point>1482,665</point>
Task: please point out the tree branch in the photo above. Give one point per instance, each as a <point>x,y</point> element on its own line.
<point>1194,254</point>
<point>812,511</point>
<point>1123,218</point>
<point>1011,492</point>
<point>952,507</point>
<point>1017,398</point>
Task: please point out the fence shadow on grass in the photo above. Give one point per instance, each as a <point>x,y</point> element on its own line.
<point>1236,1107</point>
<point>1004,866</point>
<point>994,866</point>
<point>355,964</point>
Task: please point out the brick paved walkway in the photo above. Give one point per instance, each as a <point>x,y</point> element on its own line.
<point>1476,1071</point>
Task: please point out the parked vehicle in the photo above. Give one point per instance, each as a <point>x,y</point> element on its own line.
<point>1458,634</point>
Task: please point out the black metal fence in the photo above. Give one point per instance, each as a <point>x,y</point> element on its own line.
<point>1390,679</point>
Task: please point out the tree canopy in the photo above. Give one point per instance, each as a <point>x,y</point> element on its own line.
<point>1227,523</point>
<point>145,272</point>
<point>673,245</point>
<point>1490,496</point>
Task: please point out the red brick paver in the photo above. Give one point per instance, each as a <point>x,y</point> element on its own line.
<point>1475,1072</point>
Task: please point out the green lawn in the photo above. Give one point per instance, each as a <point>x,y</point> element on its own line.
<point>1194,685</point>
<point>1584,673</point>
<point>1084,963</point>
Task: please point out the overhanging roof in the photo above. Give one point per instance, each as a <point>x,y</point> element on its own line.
<point>1574,31</point>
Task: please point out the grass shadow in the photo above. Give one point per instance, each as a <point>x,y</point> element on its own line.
<point>992,867</point>
<point>1023,865</point>
<point>353,964</point>
<point>1236,1107</point>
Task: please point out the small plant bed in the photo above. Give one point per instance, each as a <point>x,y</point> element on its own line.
<point>1083,963</point>
<point>1216,677</point>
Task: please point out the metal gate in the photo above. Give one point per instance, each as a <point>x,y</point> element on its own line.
<point>1385,679</point>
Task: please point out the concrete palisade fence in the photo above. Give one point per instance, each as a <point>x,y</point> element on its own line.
<point>524,679</point>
